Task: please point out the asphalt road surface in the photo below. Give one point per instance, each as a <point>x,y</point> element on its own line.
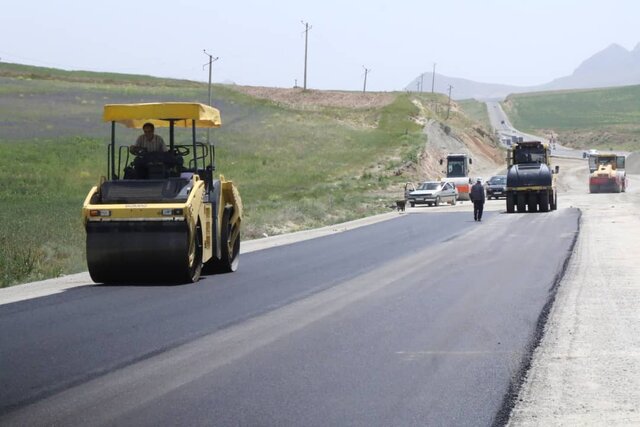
<point>425,319</point>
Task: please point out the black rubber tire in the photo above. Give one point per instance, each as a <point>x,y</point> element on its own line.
<point>437,201</point>
<point>553,200</point>
<point>521,201</point>
<point>532,202</point>
<point>229,250</point>
<point>510,203</point>
<point>413,205</point>
<point>194,257</point>
<point>544,201</point>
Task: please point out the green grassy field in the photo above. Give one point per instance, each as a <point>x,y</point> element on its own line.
<point>295,169</point>
<point>597,118</point>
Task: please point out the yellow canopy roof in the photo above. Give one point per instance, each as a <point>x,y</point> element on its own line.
<point>159,113</point>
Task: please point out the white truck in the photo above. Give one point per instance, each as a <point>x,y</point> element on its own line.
<point>457,172</point>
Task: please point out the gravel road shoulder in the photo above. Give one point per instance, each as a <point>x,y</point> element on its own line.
<point>586,369</point>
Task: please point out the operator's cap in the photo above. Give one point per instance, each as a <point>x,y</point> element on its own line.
<point>478,179</point>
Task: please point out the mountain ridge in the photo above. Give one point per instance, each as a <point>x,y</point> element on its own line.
<point>610,67</point>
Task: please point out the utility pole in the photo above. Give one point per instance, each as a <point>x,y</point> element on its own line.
<point>366,71</point>
<point>449,105</point>
<point>421,82</point>
<point>211,61</point>
<point>306,43</point>
<point>433,77</point>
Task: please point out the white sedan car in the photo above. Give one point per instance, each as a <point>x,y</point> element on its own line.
<point>433,193</point>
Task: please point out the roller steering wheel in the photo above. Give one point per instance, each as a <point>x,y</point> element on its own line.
<point>181,150</point>
<point>137,151</point>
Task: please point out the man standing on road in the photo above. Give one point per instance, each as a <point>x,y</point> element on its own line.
<point>477,197</point>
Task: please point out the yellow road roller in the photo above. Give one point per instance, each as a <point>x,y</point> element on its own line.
<point>161,216</point>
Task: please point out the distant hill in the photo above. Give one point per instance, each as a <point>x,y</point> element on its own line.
<point>603,118</point>
<point>613,66</point>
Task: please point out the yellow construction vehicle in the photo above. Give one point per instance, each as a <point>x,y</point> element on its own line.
<point>606,173</point>
<point>162,216</point>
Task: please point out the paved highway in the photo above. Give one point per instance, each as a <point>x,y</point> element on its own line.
<point>501,124</point>
<point>425,319</point>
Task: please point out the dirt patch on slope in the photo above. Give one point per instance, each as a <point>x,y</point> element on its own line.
<point>315,99</point>
<point>442,140</point>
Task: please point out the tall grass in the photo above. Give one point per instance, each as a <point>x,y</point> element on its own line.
<point>43,185</point>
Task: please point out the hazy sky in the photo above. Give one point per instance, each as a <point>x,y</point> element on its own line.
<point>261,43</point>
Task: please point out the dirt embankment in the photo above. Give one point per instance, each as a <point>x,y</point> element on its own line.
<point>442,140</point>
<point>455,135</point>
<point>313,99</point>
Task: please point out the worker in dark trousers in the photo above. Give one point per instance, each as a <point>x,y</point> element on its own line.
<point>477,197</point>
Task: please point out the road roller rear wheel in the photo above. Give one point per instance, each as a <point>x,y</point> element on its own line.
<point>544,201</point>
<point>194,259</point>
<point>521,202</point>
<point>510,203</point>
<point>229,247</point>
<point>532,202</point>
<point>230,239</point>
